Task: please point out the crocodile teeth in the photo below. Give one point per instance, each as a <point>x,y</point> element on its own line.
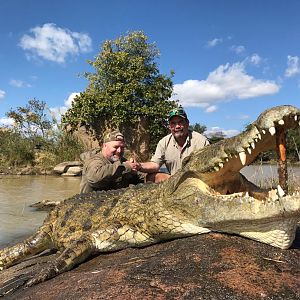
<point>243,157</point>
<point>281,122</point>
<point>280,191</point>
<point>221,165</point>
<point>249,150</point>
<point>272,130</point>
<point>296,117</point>
<point>253,145</point>
<point>217,169</point>
<point>263,131</point>
<point>256,130</point>
<point>259,136</point>
<point>226,159</point>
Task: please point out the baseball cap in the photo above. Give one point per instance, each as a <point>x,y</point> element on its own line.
<point>178,111</point>
<point>113,136</point>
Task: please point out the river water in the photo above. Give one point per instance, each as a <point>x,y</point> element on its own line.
<point>18,219</point>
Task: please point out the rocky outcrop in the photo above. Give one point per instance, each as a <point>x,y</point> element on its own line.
<point>211,266</point>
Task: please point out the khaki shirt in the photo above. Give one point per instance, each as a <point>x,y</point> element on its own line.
<point>100,174</point>
<point>168,152</point>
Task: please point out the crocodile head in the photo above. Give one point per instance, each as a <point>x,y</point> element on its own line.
<point>218,165</point>
<point>211,186</point>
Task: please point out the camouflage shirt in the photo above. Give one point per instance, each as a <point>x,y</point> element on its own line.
<point>100,174</point>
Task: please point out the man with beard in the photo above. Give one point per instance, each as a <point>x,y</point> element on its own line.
<point>108,169</point>
<point>173,148</point>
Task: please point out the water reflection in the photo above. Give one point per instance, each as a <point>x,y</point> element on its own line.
<point>17,219</point>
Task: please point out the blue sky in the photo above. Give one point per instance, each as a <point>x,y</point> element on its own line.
<point>232,59</point>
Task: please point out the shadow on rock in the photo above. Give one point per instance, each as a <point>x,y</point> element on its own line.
<point>211,266</point>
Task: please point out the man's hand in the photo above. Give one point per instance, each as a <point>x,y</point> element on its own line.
<point>135,166</point>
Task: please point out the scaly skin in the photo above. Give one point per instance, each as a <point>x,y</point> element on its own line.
<point>207,194</point>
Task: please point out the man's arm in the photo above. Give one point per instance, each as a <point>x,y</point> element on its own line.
<point>97,171</point>
<point>156,162</point>
<point>149,167</point>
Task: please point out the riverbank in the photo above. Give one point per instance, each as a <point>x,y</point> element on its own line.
<point>68,168</point>
<point>40,170</point>
<point>28,170</point>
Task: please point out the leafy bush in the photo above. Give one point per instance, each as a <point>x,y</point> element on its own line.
<point>15,150</point>
<point>66,147</point>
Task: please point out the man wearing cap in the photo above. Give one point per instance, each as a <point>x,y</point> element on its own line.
<point>108,169</point>
<point>173,148</point>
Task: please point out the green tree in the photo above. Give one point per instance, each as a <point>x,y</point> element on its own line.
<point>126,91</point>
<point>198,127</point>
<point>216,137</point>
<point>36,139</point>
<point>32,119</point>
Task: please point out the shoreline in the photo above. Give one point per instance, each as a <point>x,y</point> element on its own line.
<point>36,170</point>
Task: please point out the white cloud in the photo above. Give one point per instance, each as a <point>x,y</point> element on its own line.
<point>214,42</point>
<point>6,121</point>
<point>69,101</point>
<point>53,43</point>
<point>238,49</point>
<point>211,108</point>
<point>19,83</point>
<point>2,94</point>
<point>243,117</point>
<point>239,117</point>
<point>293,66</point>
<point>215,130</point>
<point>57,112</point>
<point>255,59</point>
<point>224,84</point>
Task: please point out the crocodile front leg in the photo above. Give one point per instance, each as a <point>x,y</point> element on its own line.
<point>77,252</point>
<point>107,239</point>
<point>37,243</point>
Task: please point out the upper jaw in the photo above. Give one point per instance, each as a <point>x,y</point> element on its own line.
<point>259,137</point>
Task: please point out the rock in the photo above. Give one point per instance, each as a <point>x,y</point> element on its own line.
<point>64,166</point>
<point>209,266</point>
<point>73,171</point>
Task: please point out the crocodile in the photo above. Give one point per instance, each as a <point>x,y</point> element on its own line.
<point>208,194</point>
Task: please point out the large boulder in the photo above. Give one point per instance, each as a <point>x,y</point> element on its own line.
<point>209,266</point>
<point>73,168</point>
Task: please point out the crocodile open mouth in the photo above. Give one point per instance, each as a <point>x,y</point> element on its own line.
<point>219,164</point>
